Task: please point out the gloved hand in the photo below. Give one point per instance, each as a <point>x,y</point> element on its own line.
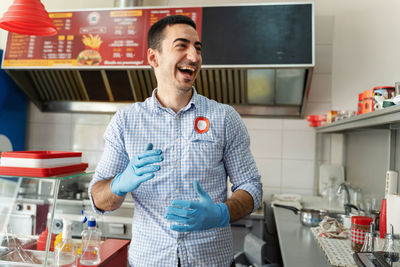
<point>137,171</point>
<point>197,216</point>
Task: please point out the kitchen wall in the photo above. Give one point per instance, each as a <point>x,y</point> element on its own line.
<point>356,49</point>
<point>365,54</point>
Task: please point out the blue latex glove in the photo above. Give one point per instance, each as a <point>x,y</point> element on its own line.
<point>137,171</point>
<point>195,215</point>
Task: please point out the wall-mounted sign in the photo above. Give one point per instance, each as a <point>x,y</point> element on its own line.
<point>264,36</point>
<point>86,39</point>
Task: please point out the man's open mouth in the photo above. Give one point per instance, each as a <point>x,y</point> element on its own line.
<point>187,70</point>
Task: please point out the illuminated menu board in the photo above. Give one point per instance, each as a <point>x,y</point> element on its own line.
<point>89,39</point>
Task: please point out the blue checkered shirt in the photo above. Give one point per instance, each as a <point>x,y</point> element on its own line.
<point>223,151</point>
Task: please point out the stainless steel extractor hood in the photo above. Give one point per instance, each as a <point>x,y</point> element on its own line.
<point>105,91</point>
<point>258,70</point>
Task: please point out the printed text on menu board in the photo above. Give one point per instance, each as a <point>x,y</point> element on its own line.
<point>109,38</point>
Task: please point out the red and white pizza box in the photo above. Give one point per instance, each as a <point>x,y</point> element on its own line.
<point>42,172</point>
<point>39,159</point>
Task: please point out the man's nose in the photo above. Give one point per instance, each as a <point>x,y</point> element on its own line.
<point>193,55</point>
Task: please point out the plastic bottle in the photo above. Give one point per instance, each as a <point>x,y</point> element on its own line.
<point>65,250</point>
<point>58,239</point>
<point>91,237</point>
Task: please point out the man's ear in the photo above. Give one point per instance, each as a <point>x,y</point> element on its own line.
<point>152,57</point>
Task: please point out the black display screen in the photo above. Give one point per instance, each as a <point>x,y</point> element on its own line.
<point>265,34</point>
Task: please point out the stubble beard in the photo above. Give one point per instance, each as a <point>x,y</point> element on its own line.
<point>185,90</point>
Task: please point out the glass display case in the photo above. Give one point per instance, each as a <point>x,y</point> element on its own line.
<point>27,208</point>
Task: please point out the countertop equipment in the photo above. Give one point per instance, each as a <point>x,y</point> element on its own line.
<point>308,217</point>
<point>23,218</point>
<point>117,224</point>
<point>372,259</point>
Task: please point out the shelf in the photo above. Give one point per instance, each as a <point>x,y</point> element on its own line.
<point>384,118</point>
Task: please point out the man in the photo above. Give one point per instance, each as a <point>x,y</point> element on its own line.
<point>173,153</point>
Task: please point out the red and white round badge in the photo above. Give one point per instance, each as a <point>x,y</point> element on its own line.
<point>201,124</point>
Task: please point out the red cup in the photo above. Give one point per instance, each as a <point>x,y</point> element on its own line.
<point>359,226</point>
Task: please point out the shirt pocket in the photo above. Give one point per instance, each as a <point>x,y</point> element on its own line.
<point>203,158</point>
<point>204,150</point>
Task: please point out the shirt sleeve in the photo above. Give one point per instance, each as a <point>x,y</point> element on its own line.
<point>114,158</point>
<point>239,162</point>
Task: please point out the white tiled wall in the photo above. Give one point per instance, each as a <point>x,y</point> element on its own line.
<point>284,153</point>
<point>66,131</point>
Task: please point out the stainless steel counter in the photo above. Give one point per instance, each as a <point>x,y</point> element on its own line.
<point>297,243</point>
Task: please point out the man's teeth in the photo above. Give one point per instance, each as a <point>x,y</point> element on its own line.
<point>187,68</point>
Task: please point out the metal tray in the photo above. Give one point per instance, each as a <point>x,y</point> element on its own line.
<point>10,258</point>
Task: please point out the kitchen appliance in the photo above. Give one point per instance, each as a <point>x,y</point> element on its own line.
<point>375,259</point>
<point>308,217</point>
<point>26,217</point>
<point>250,224</point>
<point>23,219</point>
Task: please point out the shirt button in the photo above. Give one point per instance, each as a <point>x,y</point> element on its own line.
<point>177,191</point>
<point>176,165</point>
<point>177,139</point>
<point>179,241</point>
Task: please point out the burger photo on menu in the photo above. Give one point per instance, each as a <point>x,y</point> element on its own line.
<point>90,56</point>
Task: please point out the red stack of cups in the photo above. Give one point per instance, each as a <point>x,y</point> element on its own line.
<point>316,120</point>
<point>42,240</point>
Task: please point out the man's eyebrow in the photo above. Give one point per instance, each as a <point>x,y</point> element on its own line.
<point>186,41</point>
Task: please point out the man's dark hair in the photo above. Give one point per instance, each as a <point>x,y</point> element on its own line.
<point>156,32</point>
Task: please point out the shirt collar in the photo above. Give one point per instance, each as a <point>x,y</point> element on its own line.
<point>155,105</point>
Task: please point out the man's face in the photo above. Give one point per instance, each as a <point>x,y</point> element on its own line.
<point>179,61</point>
